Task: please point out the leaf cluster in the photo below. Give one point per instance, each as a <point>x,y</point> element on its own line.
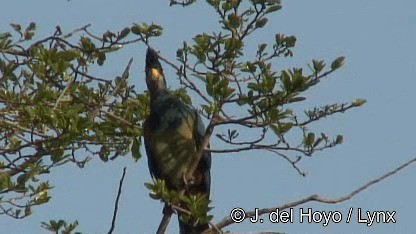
<point>251,94</point>
<point>60,226</point>
<point>54,110</point>
<point>192,207</point>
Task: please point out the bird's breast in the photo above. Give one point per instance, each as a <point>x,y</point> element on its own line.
<point>173,145</point>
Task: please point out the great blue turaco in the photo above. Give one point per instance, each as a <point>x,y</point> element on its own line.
<point>173,134</point>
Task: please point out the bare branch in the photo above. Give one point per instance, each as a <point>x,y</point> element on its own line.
<point>258,147</point>
<point>203,148</point>
<point>167,214</point>
<point>81,29</point>
<point>292,162</point>
<point>112,115</point>
<point>228,221</point>
<point>88,75</point>
<point>62,95</point>
<point>335,109</point>
<point>113,222</point>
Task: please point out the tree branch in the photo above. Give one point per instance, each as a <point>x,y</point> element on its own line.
<point>167,214</point>
<point>228,221</point>
<point>203,148</point>
<point>113,222</point>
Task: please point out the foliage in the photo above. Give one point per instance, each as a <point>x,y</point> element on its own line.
<point>269,97</point>
<point>60,226</point>
<point>252,95</point>
<point>190,206</point>
<point>53,110</point>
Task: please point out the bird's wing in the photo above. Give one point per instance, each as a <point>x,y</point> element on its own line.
<point>205,162</point>
<point>154,170</point>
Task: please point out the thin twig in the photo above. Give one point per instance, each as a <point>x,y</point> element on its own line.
<point>203,148</point>
<point>123,77</point>
<point>228,221</point>
<point>292,162</point>
<point>185,211</point>
<point>11,124</point>
<point>81,29</point>
<point>89,76</point>
<point>112,115</point>
<point>61,96</point>
<point>113,222</point>
<point>190,84</point>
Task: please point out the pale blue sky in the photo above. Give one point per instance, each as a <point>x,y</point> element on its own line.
<point>376,36</point>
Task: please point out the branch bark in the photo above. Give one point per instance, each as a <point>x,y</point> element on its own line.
<point>318,198</point>
<point>167,214</point>
<point>113,222</point>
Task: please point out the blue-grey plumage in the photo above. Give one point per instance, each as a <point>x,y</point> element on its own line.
<point>173,135</point>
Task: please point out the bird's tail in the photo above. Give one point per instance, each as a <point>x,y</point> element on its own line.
<point>187,228</point>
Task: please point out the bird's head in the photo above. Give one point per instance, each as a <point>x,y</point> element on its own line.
<point>155,79</point>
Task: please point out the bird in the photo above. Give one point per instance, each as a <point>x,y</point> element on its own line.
<point>173,134</point>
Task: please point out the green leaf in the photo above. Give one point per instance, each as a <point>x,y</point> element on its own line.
<point>5,41</point>
<point>87,44</point>
<point>135,149</point>
<point>261,22</point>
<point>56,156</point>
<point>296,99</point>
<point>281,128</point>
<point>286,80</point>
<point>31,27</point>
<point>28,211</point>
<point>250,67</point>
<point>104,153</point>
<point>214,3</point>
<point>359,102</point>
<point>318,65</point>
<point>149,186</point>
<point>42,197</point>
<point>108,36</point>
<point>290,41</point>
<point>337,63</point>
<point>273,9</point>
<point>138,29</point>
<point>254,86</point>
<point>29,35</point>
<point>29,31</point>
<point>5,182</point>
<point>261,48</point>
<point>279,38</point>
<point>309,139</point>
<point>227,5</point>
<point>123,33</point>
<point>17,27</point>
<point>339,139</point>
<point>101,58</point>
<point>234,20</point>
<point>155,30</point>
<point>183,95</point>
